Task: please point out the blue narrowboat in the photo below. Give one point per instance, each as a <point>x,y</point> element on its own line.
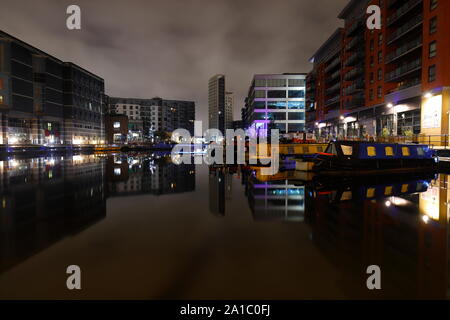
<point>367,157</point>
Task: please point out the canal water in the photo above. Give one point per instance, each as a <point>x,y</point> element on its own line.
<point>140,227</point>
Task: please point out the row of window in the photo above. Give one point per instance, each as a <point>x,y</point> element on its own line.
<point>277,94</point>
<point>388,151</point>
<point>279,82</point>
<point>279,105</point>
<point>279,116</point>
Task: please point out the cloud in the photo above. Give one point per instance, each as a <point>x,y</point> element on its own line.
<point>171,48</point>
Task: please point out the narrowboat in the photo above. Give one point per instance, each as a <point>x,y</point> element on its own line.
<point>365,157</point>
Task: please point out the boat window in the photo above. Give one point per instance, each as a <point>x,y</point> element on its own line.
<point>388,191</point>
<point>347,150</point>
<point>405,152</point>
<point>371,152</point>
<point>347,195</point>
<point>389,151</point>
<point>420,151</point>
<point>370,193</point>
<point>306,150</point>
<point>405,188</point>
<point>319,149</point>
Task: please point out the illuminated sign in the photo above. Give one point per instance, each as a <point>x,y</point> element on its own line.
<point>432,112</point>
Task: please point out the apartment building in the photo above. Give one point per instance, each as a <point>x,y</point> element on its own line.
<point>44,100</point>
<point>275,101</point>
<point>388,82</point>
<point>148,118</point>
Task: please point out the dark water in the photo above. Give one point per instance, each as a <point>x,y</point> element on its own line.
<point>141,227</point>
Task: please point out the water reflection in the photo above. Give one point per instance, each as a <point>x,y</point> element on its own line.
<point>399,223</point>
<point>216,221</point>
<point>46,199</point>
<point>43,200</point>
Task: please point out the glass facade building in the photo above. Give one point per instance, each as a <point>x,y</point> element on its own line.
<point>276,101</point>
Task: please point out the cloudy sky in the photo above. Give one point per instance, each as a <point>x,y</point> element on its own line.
<point>170,48</point>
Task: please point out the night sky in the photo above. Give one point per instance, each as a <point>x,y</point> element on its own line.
<point>148,48</point>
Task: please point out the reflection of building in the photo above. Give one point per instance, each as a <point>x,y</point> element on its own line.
<point>276,101</point>
<point>410,248</point>
<point>276,200</point>
<point>44,100</point>
<point>44,200</point>
<point>220,190</point>
<point>148,175</point>
<point>380,82</point>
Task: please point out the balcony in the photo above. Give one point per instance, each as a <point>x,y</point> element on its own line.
<point>356,40</point>
<point>354,59</point>
<point>333,89</point>
<point>407,27</point>
<point>354,73</point>
<point>333,100</point>
<point>404,70</point>
<point>403,10</point>
<point>354,88</point>
<point>404,50</point>
<point>333,64</point>
<point>355,27</point>
<point>406,90</point>
<point>334,77</point>
<point>355,102</point>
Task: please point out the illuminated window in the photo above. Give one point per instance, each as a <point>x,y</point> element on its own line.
<point>405,152</point>
<point>1,99</point>
<point>116,124</point>
<point>389,151</point>
<point>371,152</point>
<point>347,150</point>
<point>370,193</point>
<point>388,191</point>
<point>420,151</point>
<point>405,188</point>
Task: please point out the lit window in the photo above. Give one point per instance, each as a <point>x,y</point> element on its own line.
<point>116,125</point>
<point>405,188</point>
<point>405,152</point>
<point>347,150</point>
<point>388,191</point>
<point>371,152</point>
<point>371,193</point>
<point>389,151</point>
<point>1,99</point>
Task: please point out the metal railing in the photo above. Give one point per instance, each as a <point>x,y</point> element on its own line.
<point>439,142</point>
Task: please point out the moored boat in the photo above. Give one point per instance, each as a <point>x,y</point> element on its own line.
<point>356,157</point>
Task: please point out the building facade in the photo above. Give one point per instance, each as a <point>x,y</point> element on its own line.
<point>152,118</point>
<point>220,104</point>
<point>44,100</point>
<point>388,82</point>
<point>275,101</point>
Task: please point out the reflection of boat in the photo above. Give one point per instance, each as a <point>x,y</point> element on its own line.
<point>351,157</point>
<point>352,189</point>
